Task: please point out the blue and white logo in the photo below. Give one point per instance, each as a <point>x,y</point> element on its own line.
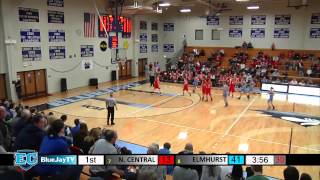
<point>25,159</point>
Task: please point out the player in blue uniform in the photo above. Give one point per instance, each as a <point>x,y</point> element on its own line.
<point>270,100</point>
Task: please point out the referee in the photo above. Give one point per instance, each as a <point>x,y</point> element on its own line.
<point>111,104</point>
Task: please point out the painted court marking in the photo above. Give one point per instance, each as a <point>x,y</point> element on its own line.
<point>239,117</point>
<point>151,105</point>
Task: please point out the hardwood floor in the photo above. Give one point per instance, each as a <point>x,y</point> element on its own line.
<point>209,126</point>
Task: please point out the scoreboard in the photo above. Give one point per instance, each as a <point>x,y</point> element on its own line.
<point>108,23</point>
<point>171,159</point>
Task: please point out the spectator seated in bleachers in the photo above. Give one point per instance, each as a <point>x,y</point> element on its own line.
<point>55,143</point>
<point>32,134</point>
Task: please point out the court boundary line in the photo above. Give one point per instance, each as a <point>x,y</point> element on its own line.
<point>152,105</point>
<point>239,117</point>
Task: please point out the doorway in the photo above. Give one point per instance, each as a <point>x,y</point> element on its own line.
<point>33,83</point>
<point>141,66</point>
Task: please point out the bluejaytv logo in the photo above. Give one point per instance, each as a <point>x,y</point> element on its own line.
<point>26,159</point>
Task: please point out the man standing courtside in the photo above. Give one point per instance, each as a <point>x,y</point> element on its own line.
<point>111,104</point>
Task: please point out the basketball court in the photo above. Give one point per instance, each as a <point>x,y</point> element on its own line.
<point>243,127</point>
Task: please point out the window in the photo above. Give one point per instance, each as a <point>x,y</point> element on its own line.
<point>198,34</point>
<point>215,35</point>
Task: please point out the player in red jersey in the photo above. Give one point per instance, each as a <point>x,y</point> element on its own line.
<point>232,84</point>
<point>157,84</point>
<point>186,86</point>
<point>203,88</point>
<point>208,88</point>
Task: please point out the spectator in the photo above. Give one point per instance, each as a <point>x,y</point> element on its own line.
<point>3,127</point>
<point>90,139</point>
<point>236,173</point>
<point>188,148</point>
<point>2,149</point>
<point>185,172</point>
<point>32,135</point>
<point>67,129</point>
<point>130,172</point>
<point>22,122</point>
<point>291,173</point>
<point>78,138</point>
<point>165,149</point>
<point>305,176</point>
<point>147,175</point>
<point>76,128</point>
<point>105,146</point>
<point>159,170</point>
<point>249,172</point>
<point>257,171</point>
<point>56,143</point>
<point>210,173</point>
<point>51,118</point>
<point>293,82</point>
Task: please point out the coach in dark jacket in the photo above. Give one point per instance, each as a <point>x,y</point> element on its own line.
<point>32,135</point>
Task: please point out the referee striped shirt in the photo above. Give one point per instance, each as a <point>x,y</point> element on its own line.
<point>111,102</point>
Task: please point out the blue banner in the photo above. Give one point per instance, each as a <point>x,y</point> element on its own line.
<point>168,47</point>
<point>55,3</point>
<point>30,35</point>
<point>315,33</point>
<point>31,53</point>
<point>57,52</point>
<point>282,19</point>
<point>87,51</point>
<point>57,36</point>
<point>143,37</point>
<point>258,19</point>
<point>212,20</point>
<point>154,48</point>
<point>257,32</point>
<point>315,18</point>
<point>143,48</point>
<point>281,33</point>
<point>28,15</point>
<point>236,20</point>
<point>56,17</point>
<point>168,26</point>
<point>154,38</point>
<point>235,32</point>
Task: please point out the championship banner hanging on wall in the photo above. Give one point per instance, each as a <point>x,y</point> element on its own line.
<point>168,27</point>
<point>258,19</point>
<point>235,32</point>
<point>236,20</point>
<point>28,15</point>
<point>257,33</point>
<point>55,3</point>
<point>281,33</point>
<point>282,19</point>
<point>57,35</point>
<point>30,35</point>
<point>315,18</point>
<point>212,20</point>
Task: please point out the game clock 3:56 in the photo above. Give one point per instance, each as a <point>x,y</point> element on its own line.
<point>259,160</point>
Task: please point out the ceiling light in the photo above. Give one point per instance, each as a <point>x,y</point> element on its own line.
<point>164,4</point>
<point>253,7</point>
<point>242,0</point>
<point>185,10</point>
